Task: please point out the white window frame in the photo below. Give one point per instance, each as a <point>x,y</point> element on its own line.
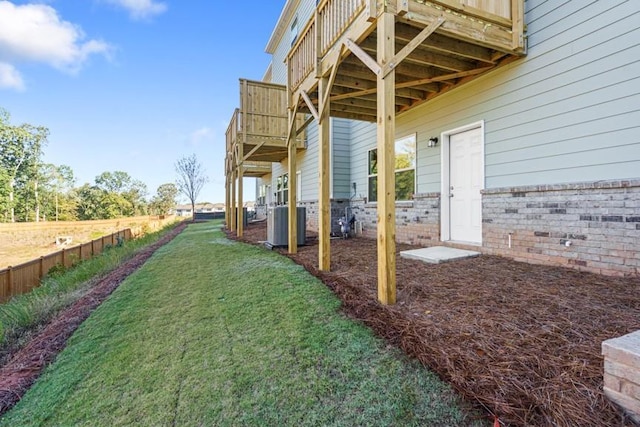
<point>282,193</point>
<point>413,136</point>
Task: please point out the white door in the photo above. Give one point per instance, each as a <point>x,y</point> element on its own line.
<point>466,180</point>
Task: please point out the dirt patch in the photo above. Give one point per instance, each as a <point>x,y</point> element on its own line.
<point>22,370</point>
<point>522,340</point>
<point>22,242</point>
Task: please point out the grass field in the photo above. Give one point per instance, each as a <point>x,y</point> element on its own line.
<point>214,332</point>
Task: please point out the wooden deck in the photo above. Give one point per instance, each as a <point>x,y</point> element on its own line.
<point>439,45</point>
<point>374,59</point>
<point>257,135</point>
<point>258,129</point>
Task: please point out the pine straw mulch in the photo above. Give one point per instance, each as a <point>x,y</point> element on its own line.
<point>25,366</point>
<point>522,340</point>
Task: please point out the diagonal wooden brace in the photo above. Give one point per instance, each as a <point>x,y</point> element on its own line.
<point>312,108</point>
<point>292,124</point>
<point>413,44</point>
<point>363,56</point>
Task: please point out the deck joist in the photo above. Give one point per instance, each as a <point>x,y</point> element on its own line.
<point>473,38</point>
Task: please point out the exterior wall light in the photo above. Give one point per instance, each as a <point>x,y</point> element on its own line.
<point>433,141</point>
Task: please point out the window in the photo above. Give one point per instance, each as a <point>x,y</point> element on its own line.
<point>282,189</point>
<point>294,31</point>
<point>405,162</point>
<point>262,195</point>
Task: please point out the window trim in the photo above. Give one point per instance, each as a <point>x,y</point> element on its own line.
<point>294,30</point>
<point>413,136</point>
<point>282,189</point>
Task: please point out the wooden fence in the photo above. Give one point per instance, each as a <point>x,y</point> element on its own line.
<point>24,277</point>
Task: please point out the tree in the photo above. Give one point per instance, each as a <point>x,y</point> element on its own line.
<point>56,188</point>
<point>164,200</point>
<point>132,191</point>
<point>89,202</point>
<point>94,202</point>
<point>191,178</point>
<point>20,154</point>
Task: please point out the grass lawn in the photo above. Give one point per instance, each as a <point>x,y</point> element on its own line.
<point>214,332</point>
<point>24,314</point>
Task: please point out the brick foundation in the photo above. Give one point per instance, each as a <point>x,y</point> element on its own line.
<point>417,221</point>
<point>586,226</point>
<point>622,372</point>
<point>337,210</point>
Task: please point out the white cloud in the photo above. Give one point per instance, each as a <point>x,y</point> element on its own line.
<point>10,78</point>
<point>35,33</point>
<point>199,136</point>
<point>141,9</point>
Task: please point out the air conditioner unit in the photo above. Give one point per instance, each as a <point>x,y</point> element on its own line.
<point>278,226</point>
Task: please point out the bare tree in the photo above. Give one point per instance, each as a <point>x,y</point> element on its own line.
<point>191,179</point>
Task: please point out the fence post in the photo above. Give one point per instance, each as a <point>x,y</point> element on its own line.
<point>64,264</point>
<point>41,272</point>
<point>93,251</point>
<point>9,281</point>
<point>80,252</point>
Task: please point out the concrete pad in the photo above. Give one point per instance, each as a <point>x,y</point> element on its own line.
<point>438,254</point>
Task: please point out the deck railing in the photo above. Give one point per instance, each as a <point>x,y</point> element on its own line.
<point>263,110</point>
<point>232,130</point>
<point>302,58</point>
<point>333,18</point>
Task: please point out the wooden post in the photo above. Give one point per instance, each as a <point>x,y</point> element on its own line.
<point>240,163</point>
<point>293,186</point>
<point>41,270</point>
<point>234,214</point>
<point>517,24</point>
<point>324,139</point>
<point>240,223</point>
<point>64,264</point>
<point>317,39</point>
<point>227,201</point>
<point>386,162</point>
<point>9,282</point>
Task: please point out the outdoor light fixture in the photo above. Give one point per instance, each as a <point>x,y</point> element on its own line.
<point>433,141</point>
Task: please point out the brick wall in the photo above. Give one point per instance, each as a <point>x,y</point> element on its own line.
<point>417,221</point>
<point>587,226</point>
<point>622,372</point>
<point>337,210</point>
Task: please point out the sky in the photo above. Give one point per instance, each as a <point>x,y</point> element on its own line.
<point>132,85</point>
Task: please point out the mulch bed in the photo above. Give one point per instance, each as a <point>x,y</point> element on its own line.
<point>523,341</point>
<point>24,367</point>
